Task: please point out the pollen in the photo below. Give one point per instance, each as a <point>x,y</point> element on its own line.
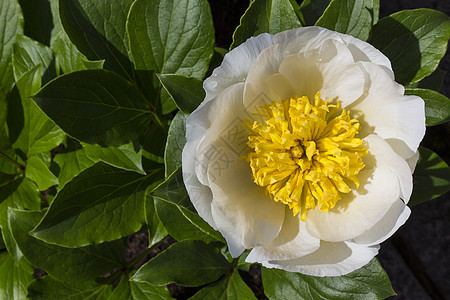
<point>305,153</point>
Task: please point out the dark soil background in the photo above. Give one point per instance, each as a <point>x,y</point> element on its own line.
<point>417,257</point>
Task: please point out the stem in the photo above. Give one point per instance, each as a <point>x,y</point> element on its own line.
<point>158,120</point>
<point>153,111</point>
<point>130,265</point>
<point>20,166</point>
<point>151,108</point>
<point>234,263</point>
<point>13,177</point>
<point>147,251</point>
<point>114,276</point>
<point>139,257</point>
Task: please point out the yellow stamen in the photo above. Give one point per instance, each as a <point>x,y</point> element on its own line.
<point>306,153</point>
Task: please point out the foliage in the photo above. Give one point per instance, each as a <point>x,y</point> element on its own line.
<point>94,96</point>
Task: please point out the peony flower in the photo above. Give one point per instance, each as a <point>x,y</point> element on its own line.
<point>303,151</point>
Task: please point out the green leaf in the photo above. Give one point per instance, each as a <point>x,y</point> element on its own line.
<point>122,290</point>
<point>132,290</point>
<point>431,177</point>
<point>147,291</point>
<point>153,140</point>
<point>176,139</point>
<point>16,192</point>
<point>156,230</point>
<point>312,10</point>
<point>75,158</point>
<point>354,17</point>
<point>216,60</point>
<point>232,287</point>
<point>123,157</point>
<point>242,264</point>
<point>171,37</point>
<point>57,27</point>
<point>37,171</point>
<point>30,129</point>
<point>98,30</point>
<point>151,161</point>
<point>14,277</point>
<point>4,139</point>
<point>168,105</point>
<point>95,106</point>
<point>78,267</point>
<point>93,64</point>
<point>414,40</point>
<point>183,224</point>
<point>177,214</point>
<point>432,82</point>
<point>186,263</point>
<point>28,53</point>
<point>187,92</point>
<point>174,191</point>
<point>10,27</point>
<point>5,178</point>
<point>46,158</point>
<point>101,204</point>
<point>48,288</point>
<point>6,165</point>
<point>272,16</point>
<point>368,282</point>
<point>296,8</point>
<point>437,106</point>
<point>67,57</point>
<point>375,12</point>
<point>38,20</point>
<point>72,161</point>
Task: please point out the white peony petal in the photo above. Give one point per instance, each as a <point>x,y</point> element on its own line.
<point>329,69</point>
<point>346,84</point>
<point>268,64</point>
<point>334,78</point>
<point>388,113</point>
<point>224,116</point>
<point>235,65</point>
<point>279,86</point>
<point>292,242</point>
<point>199,194</point>
<point>363,51</point>
<point>264,84</point>
<point>303,73</point>
<point>386,226</point>
<point>256,218</point>
<point>331,259</point>
<point>401,148</point>
<point>412,161</point>
<point>197,152</point>
<point>385,178</point>
<point>201,197</point>
<point>228,231</point>
<point>303,39</point>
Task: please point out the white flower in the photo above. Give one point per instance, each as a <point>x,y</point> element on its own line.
<point>303,151</point>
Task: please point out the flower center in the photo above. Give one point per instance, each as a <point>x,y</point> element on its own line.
<point>306,153</point>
